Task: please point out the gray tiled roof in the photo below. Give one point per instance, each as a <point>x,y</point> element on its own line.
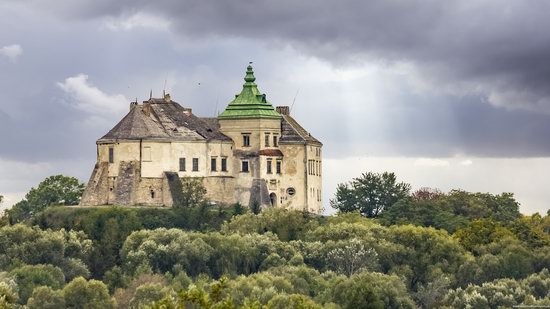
<point>166,120</point>
<point>136,125</point>
<point>293,132</point>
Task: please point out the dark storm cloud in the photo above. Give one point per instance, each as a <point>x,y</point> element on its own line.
<point>496,48</point>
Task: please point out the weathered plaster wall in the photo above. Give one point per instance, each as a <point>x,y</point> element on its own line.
<point>129,181</point>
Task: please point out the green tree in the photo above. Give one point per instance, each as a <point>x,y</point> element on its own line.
<point>8,292</point>
<point>425,211</point>
<point>193,192</point>
<point>502,293</point>
<point>370,194</point>
<point>30,276</point>
<point>45,297</point>
<point>372,290</point>
<point>351,256</point>
<point>54,190</point>
<point>286,224</point>
<point>92,294</point>
<point>296,301</point>
<point>146,294</point>
<point>255,207</point>
<point>20,245</point>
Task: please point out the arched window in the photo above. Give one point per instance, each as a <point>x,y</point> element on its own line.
<point>273,199</point>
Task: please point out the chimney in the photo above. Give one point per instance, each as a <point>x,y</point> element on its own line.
<point>167,98</point>
<point>283,110</point>
<point>133,105</point>
<point>147,108</point>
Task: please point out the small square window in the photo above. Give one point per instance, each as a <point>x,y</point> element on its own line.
<point>195,164</point>
<point>244,166</point>
<point>182,164</point>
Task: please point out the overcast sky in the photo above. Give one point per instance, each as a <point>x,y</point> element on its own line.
<point>447,94</point>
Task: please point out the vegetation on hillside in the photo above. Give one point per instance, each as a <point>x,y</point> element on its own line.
<point>394,249</point>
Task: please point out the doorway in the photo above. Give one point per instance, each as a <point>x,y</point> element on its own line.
<point>273,199</point>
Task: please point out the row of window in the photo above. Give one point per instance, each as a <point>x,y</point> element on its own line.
<point>267,139</point>
<point>314,167</point>
<point>195,164</point>
<point>315,193</point>
<point>278,166</point>
<point>245,165</point>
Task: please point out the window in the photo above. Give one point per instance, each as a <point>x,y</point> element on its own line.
<point>275,140</point>
<point>224,164</point>
<point>195,164</point>
<point>246,139</point>
<point>111,155</point>
<point>278,166</point>
<point>244,167</point>
<point>146,153</point>
<point>291,191</point>
<point>269,166</point>
<point>182,164</point>
<point>267,140</point>
<point>213,164</point>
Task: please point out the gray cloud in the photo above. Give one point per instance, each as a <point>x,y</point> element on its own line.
<point>459,45</point>
<point>497,49</point>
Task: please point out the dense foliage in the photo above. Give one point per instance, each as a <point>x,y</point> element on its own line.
<point>54,190</point>
<point>427,250</point>
<point>370,194</point>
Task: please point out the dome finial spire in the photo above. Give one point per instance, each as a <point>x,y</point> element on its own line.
<point>249,78</point>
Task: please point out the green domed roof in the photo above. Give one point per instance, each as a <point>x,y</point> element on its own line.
<point>250,103</point>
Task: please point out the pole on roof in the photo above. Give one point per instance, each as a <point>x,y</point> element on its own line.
<point>294,101</point>
<point>151,94</point>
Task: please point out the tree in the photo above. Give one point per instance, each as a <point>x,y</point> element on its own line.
<point>426,193</point>
<point>54,190</point>
<point>30,276</point>
<point>423,210</point>
<point>351,256</point>
<point>92,294</point>
<point>8,293</point>
<point>20,244</point>
<point>77,294</point>
<point>372,290</point>
<point>370,194</point>
<point>44,297</point>
<point>193,192</point>
<point>296,301</point>
<point>503,293</point>
<point>255,207</point>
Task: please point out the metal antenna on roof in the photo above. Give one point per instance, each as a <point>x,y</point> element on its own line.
<point>164,88</point>
<point>151,94</point>
<point>294,101</point>
<point>217,101</point>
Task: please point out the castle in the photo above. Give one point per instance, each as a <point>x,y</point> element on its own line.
<point>251,153</point>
